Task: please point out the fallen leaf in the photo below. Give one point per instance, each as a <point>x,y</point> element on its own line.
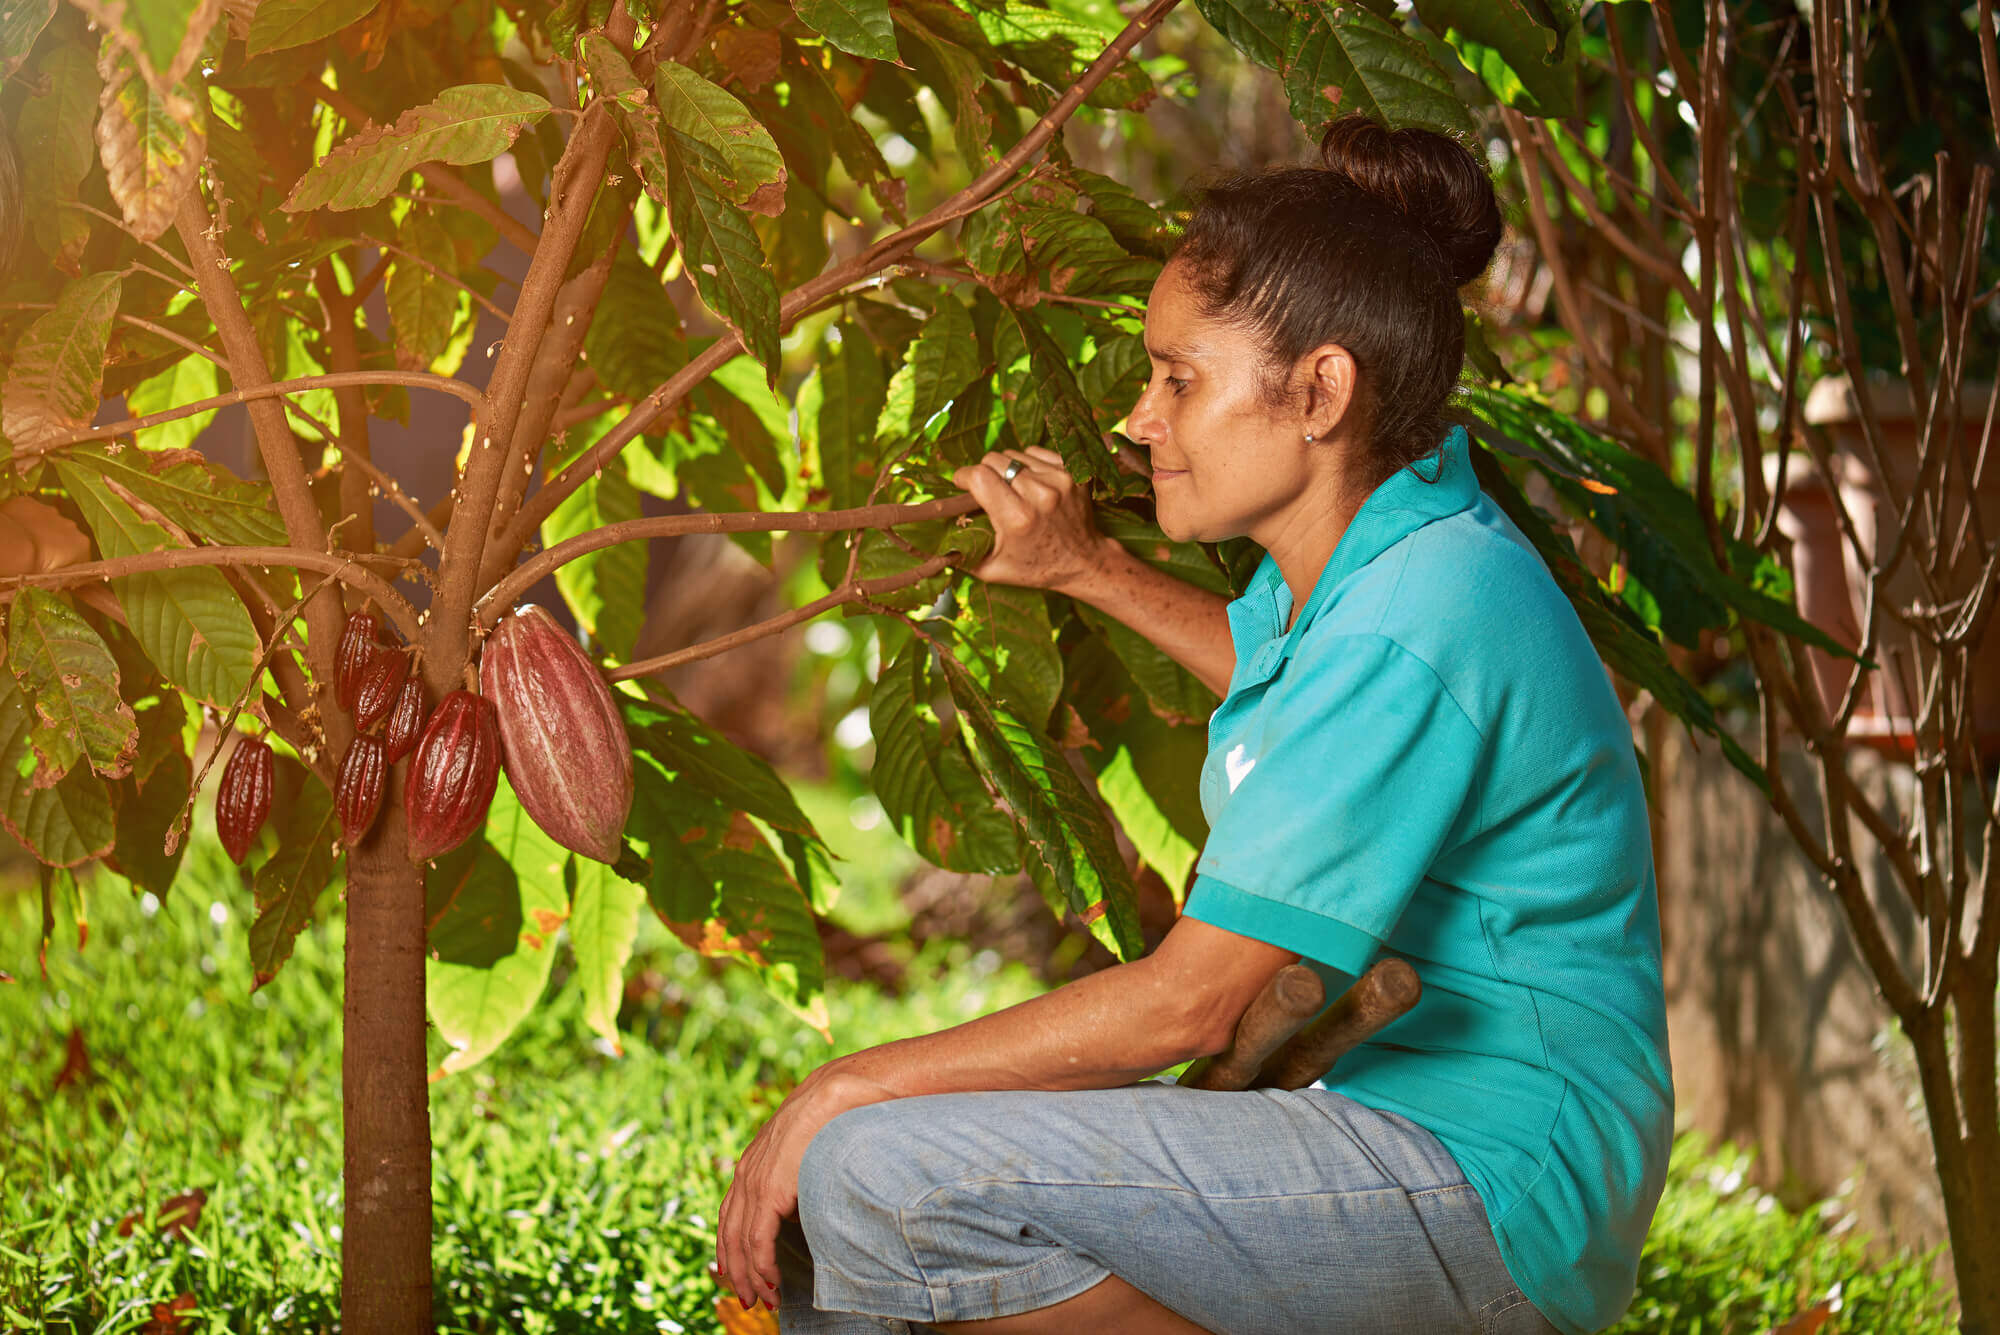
<point>738,1320</point>
<point>76,1067</point>
<point>179,1216</point>
<point>1807,1322</point>
<point>169,1317</point>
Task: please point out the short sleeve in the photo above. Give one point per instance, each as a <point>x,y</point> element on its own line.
<point>1367,772</point>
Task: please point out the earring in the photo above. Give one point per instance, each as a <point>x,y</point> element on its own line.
<point>1309,437</point>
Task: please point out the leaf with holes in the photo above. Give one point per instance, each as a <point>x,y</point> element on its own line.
<point>1065,828</point>
<point>70,680</point>
<point>493,945</point>
<point>52,388</point>
<point>472,122</point>
<point>64,824</point>
<point>151,142</point>
<point>1342,58</point>
<point>603,924</point>
<point>190,623</point>
<point>721,252</point>
<point>858,27</point>
<point>279,24</point>
<point>754,171</point>
<point>290,884</point>
<point>926,782</point>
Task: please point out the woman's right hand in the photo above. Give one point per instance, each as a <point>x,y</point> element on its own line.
<point>1044,537</point>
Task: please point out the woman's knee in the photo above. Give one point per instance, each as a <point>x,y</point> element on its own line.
<point>854,1162</point>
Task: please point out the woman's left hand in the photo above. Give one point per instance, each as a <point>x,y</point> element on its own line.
<point>766,1187</point>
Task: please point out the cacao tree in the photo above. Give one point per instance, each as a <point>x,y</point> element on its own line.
<point>794,264</point>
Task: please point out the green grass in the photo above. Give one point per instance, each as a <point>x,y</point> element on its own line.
<point>575,1190</point>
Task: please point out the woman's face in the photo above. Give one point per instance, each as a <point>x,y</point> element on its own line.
<point>1225,461</point>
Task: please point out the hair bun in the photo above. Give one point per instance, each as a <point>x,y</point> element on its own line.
<point>1430,177</point>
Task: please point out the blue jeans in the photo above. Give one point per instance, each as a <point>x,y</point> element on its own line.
<point>1265,1211</point>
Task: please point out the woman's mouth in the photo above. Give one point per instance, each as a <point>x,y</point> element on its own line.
<point>1167,474</point>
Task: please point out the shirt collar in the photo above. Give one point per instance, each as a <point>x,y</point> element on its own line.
<point>1435,487</point>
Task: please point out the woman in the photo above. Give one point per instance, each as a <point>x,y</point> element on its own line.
<point>1418,752</point>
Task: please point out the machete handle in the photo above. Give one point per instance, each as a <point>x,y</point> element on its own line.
<point>1385,993</point>
<point>1293,996</point>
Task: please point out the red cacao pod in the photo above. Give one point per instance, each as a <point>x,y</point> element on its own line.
<point>380,682</point>
<point>357,792</point>
<point>560,733</point>
<point>452,775</point>
<point>406,720</point>
<point>243,798</point>
<point>359,640</point>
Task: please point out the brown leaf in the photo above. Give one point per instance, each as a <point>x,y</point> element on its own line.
<point>750,54</point>
<point>179,1216</point>
<point>76,1068</point>
<point>738,1320</point>
<point>169,1318</point>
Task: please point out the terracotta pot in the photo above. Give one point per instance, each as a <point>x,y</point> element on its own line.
<point>1832,578</point>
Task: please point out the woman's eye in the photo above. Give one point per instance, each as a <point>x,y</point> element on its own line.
<point>1178,385</point>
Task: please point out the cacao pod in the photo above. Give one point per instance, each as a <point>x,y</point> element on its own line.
<point>406,720</point>
<point>357,792</point>
<point>359,640</point>
<point>243,798</point>
<point>561,735</point>
<point>380,681</point>
<point>452,775</point>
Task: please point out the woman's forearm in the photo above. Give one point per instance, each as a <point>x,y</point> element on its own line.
<point>1109,1028</point>
<point>1191,625</point>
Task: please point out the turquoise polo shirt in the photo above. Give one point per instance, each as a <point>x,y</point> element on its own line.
<point>1431,762</point>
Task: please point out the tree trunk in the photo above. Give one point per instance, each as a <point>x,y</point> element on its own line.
<point>1966,1158</point>
<point>385,1243</point>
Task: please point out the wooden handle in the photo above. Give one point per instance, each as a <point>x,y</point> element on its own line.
<point>1293,996</point>
<point>1386,992</point>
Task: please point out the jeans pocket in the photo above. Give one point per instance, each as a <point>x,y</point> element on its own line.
<point>1512,1314</point>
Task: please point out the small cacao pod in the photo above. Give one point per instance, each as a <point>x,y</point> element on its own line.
<point>243,798</point>
<point>561,735</point>
<point>359,640</point>
<point>357,792</point>
<point>452,775</point>
<point>380,681</point>
<point>406,720</point>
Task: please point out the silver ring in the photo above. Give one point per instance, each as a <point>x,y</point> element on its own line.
<point>1012,470</point>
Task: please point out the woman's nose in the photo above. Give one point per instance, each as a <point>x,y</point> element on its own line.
<point>1143,424</point>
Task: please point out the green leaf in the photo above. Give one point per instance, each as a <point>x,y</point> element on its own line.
<point>148,804</point>
<point>468,123</point>
<point>940,364</point>
<point>1062,821</point>
<point>925,781</point>
<point>52,388</point>
<point>151,142</point>
<point>63,825</point>
<point>202,497</point>
<point>1341,59</point>
<point>1077,253</point>
<point>189,622</point>
<point>634,341</point>
<point>21,22</point>
<point>613,81</point>
<point>722,254</point>
<point>1257,28</point>
<point>1635,504</point>
<point>290,883</point>
<point>1114,379</point>
<point>493,945</point>
<point>188,380</point>
<point>423,303</point>
<point>52,132</point>
<point>1137,225</point>
<point>946,66</point>
<point>754,176</point>
<point>1049,409</point>
<point>751,417</point>
<point>1188,562</point>
<point>1535,42</point>
<point>852,392</point>
<point>69,679</point>
<point>606,589</point>
<point>279,24</point>
<point>720,887</point>
<point>689,748</point>
<point>1008,643</point>
<point>859,27</point>
<point>1172,692</point>
<point>603,924</point>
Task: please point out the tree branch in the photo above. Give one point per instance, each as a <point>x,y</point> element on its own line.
<point>345,567</point>
<point>523,577</point>
<point>851,592</point>
<point>983,189</point>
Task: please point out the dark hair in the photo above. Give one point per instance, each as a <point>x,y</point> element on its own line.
<point>1367,250</point>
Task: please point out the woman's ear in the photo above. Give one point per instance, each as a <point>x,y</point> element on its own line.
<point>1330,376</point>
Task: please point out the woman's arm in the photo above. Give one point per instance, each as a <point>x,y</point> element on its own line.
<point>1107,1029</point>
<point>1044,539</point>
